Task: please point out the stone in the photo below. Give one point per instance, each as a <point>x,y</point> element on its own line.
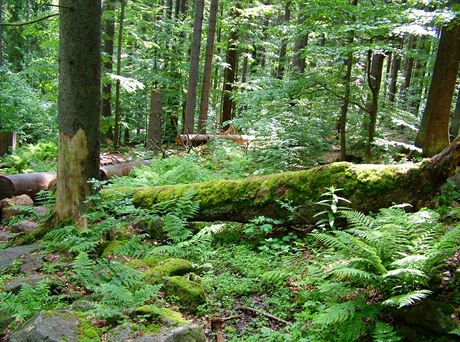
<point>9,255</point>
<point>24,227</point>
<point>50,326</point>
<point>122,333</point>
<point>16,283</point>
<point>190,293</point>
<point>4,236</point>
<point>17,200</point>
<point>167,268</point>
<point>163,315</point>
<point>31,262</point>
<point>41,211</point>
<point>183,333</point>
<point>431,315</point>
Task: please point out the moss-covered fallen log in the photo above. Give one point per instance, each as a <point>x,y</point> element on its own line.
<point>368,187</point>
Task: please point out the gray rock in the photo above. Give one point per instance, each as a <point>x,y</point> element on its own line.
<point>122,333</point>
<point>9,255</point>
<point>41,211</point>
<point>4,236</point>
<point>51,326</point>
<point>31,262</point>
<point>17,283</point>
<point>24,227</point>
<point>183,333</point>
<point>17,200</point>
<point>431,315</point>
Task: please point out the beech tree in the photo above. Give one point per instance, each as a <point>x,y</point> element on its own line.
<point>79,104</point>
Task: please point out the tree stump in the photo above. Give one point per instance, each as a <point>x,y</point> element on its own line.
<point>7,142</point>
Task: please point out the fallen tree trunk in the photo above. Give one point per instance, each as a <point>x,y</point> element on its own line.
<point>201,139</point>
<point>368,187</point>
<point>25,184</point>
<point>31,183</point>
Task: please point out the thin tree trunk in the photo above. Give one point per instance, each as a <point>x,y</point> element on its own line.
<point>116,138</point>
<point>1,33</point>
<point>374,80</point>
<point>244,68</point>
<point>79,104</point>
<point>433,135</point>
<point>282,56</point>
<point>169,8</point>
<point>108,37</point>
<point>408,68</point>
<point>455,121</point>
<point>395,66</point>
<point>190,104</point>
<point>229,75</point>
<point>154,133</point>
<point>346,97</point>
<point>207,73</point>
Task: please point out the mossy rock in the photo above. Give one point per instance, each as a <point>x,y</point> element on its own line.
<point>111,248</point>
<point>163,315</point>
<point>190,293</point>
<point>146,262</point>
<point>167,268</point>
<point>88,332</point>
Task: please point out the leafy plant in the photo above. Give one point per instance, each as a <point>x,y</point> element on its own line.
<point>332,203</point>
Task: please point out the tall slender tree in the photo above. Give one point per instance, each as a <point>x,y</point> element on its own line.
<point>79,104</point>
<point>1,33</point>
<point>455,120</point>
<point>207,73</point>
<point>433,134</point>
<point>116,138</point>
<point>190,104</point>
<point>282,60</point>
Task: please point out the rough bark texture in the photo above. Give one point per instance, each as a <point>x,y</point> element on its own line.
<point>433,135</point>
<point>108,36</point>
<point>282,56</point>
<point>79,103</point>
<point>229,76</point>
<point>154,134</point>
<point>207,73</point>
<point>374,79</point>
<point>369,187</point>
<point>190,104</point>
<point>1,33</point>
<point>409,66</point>
<point>395,66</point>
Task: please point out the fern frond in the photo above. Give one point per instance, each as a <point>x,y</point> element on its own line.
<point>358,220</point>
<point>384,332</point>
<point>407,299</point>
<point>409,260</point>
<point>405,272</point>
<point>354,274</point>
<point>335,314</point>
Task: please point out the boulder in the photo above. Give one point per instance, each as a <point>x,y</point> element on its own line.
<point>50,326</point>
<point>16,283</point>
<point>122,333</point>
<point>41,211</point>
<point>31,262</point>
<point>183,333</point>
<point>163,315</point>
<point>9,255</point>
<point>24,227</point>
<point>17,200</point>
<point>190,293</point>
<point>168,268</point>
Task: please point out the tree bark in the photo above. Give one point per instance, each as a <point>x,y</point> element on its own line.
<point>79,104</point>
<point>190,104</point>
<point>1,33</point>
<point>207,73</point>
<point>368,187</point>
<point>346,96</point>
<point>229,75</point>
<point>108,37</point>
<point>116,138</point>
<point>408,68</point>
<point>154,133</point>
<point>433,135</point>
<point>7,142</point>
<point>395,66</point>
<point>282,56</point>
<point>374,80</point>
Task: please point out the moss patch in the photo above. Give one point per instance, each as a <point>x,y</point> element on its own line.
<point>190,293</point>
<point>168,267</point>
<point>88,332</point>
<point>163,315</point>
<point>111,248</point>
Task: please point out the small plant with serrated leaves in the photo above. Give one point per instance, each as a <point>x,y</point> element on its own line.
<point>332,202</point>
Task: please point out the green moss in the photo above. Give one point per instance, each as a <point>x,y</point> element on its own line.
<point>145,262</point>
<point>111,248</point>
<point>87,332</point>
<point>190,293</point>
<point>163,315</point>
<point>168,267</point>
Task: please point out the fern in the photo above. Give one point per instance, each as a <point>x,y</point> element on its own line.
<point>384,332</point>
<point>335,314</point>
<point>407,299</point>
<point>84,269</point>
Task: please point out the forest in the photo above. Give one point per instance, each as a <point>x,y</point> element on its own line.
<point>229,170</point>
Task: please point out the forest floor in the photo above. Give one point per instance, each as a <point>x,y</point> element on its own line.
<point>134,273</point>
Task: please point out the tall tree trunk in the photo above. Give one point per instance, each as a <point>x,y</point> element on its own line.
<point>455,121</point>
<point>154,133</point>
<point>207,73</point>
<point>408,68</point>
<point>116,138</point>
<point>1,33</point>
<point>282,56</point>
<point>108,37</point>
<point>395,66</point>
<point>301,42</point>
<point>169,8</point>
<point>374,80</point>
<point>244,68</point>
<point>79,104</point>
<point>346,95</point>
<point>433,135</point>
<point>190,104</point>
<point>229,75</point>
